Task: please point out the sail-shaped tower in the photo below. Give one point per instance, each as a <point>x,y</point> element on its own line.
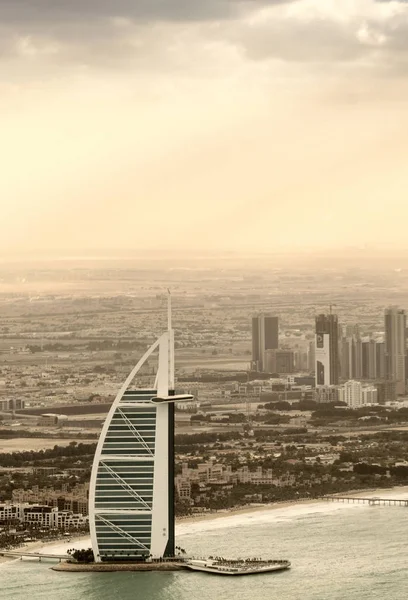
<point>131,498</point>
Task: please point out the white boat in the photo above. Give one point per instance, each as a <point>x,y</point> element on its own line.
<point>235,567</point>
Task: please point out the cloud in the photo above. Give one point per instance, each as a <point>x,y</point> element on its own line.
<point>311,31</point>
<point>187,34</point>
<point>28,12</point>
<point>106,32</point>
<point>298,40</point>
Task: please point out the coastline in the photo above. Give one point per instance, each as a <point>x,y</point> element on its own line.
<point>240,510</point>
<point>255,508</point>
<point>39,545</point>
<point>58,546</point>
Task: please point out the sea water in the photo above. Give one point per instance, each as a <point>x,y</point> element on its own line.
<point>338,552</point>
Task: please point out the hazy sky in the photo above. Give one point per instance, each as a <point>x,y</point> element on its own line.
<point>253,124</point>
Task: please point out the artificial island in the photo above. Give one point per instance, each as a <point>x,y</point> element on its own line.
<point>131,501</point>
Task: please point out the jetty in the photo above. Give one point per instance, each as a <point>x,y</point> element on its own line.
<point>371,501</point>
<point>39,555</point>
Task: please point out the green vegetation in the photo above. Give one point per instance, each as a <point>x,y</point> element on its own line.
<point>9,434</point>
<point>82,556</point>
<point>223,418</point>
<point>32,457</point>
<point>14,534</point>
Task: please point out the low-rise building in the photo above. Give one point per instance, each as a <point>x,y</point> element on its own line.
<point>75,499</point>
<point>52,420</point>
<point>42,516</point>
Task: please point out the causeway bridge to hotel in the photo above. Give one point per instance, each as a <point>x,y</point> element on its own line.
<point>371,501</point>
<point>40,556</point>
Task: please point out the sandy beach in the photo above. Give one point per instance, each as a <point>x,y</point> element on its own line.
<point>254,508</point>
<point>57,546</point>
<point>262,510</point>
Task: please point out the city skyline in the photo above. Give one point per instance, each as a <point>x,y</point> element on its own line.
<point>243,438</point>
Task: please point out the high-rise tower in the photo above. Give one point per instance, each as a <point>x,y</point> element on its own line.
<point>311,357</point>
<point>327,350</point>
<point>357,358</point>
<point>395,346</point>
<point>346,358</point>
<point>131,497</point>
<point>265,336</point>
<point>380,360</point>
<point>369,355</point>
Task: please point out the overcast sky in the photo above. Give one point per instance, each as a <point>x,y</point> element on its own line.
<point>220,124</point>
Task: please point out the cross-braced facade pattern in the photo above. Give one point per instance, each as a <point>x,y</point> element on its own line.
<point>131,505</point>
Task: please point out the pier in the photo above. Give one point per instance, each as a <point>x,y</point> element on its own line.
<point>370,501</point>
<point>21,555</point>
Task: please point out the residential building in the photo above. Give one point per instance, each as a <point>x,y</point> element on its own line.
<point>75,500</point>
<point>326,393</point>
<point>44,516</point>
<point>213,473</point>
<point>369,394</point>
<point>355,394</point>
<point>352,393</point>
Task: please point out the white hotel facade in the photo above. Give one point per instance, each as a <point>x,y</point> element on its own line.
<point>131,500</point>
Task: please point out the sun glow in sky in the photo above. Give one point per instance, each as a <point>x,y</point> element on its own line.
<point>226,124</point>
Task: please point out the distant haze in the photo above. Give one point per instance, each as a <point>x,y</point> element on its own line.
<point>245,125</point>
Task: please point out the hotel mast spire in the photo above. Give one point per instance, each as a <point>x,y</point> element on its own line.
<point>171,342</point>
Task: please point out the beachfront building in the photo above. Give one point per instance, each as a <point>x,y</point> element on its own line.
<point>41,515</point>
<point>131,500</point>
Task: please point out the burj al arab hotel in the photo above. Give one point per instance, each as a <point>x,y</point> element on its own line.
<point>131,499</point>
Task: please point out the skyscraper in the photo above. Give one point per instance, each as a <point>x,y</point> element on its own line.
<point>327,350</point>
<point>346,358</point>
<point>131,497</point>
<point>369,355</point>
<point>265,336</point>
<point>357,358</point>
<point>395,346</point>
<point>311,356</point>
<point>380,360</point>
